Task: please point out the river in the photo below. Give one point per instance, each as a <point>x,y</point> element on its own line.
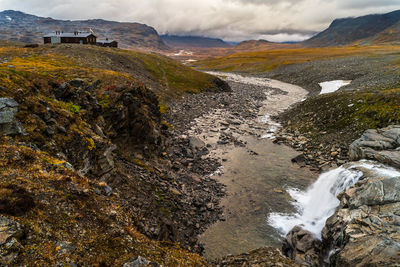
<point>257,175</point>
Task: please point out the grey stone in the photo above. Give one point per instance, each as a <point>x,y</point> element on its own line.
<point>196,143</point>
<point>10,234</point>
<point>302,246</point>
<point>365,229</point>
<point>381,145</point>
<point>77,82</point>
<point>49,131</point>
<point>61,129</point>
<point>8,102</point>
<point>137,262</point>
<point>8,121</point>
<point>106,160</point>
<point>379,192</point>
<point>108,190</point>
<point>65,165</point>
<point>64,247</point>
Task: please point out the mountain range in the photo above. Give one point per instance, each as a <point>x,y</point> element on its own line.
<point>375,28</point>
<point>18,26</point>
<point>364,30</point>
<point>176,41</point>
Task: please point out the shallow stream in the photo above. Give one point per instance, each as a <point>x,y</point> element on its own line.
<point>256,174</point>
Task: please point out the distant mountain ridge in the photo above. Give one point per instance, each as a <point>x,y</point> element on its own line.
<point>253,43</point>
<point>259,45</point>
<point>349,30</point>
<point>193,41</point>
<point>19,26</point>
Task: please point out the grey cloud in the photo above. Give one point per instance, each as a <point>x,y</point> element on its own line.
<point>230,19</point>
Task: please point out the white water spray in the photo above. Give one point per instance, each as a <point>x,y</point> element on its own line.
<point>319,202</point>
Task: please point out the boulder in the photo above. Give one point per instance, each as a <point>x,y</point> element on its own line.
<point>220,85</point>
<point>302,246</point>
<point>196,143</point>
<point>77,82</point>
<point>105,161</point>
<point>9,124</point>
<point>138,262</point>
<point>380,145</point>
<point>365,229</point>
<point>31,46</point>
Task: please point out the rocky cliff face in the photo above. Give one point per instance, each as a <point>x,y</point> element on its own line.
<point>365,228</point>
<point>90,173</point>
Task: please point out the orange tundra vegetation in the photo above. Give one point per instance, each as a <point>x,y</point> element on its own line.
<point>264,61</point>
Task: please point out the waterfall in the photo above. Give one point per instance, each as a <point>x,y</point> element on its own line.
<point>316,204</point>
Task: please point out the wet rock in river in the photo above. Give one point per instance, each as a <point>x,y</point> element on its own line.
<point>302,246</point>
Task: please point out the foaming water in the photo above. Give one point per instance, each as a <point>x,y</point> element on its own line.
<point>319,202</point>
<point>273,126</point>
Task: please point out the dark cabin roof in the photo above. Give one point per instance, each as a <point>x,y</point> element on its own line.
<point>69,34</point>
<point>105,41</point>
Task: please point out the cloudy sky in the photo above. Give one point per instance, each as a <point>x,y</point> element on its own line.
<point>232,20</point>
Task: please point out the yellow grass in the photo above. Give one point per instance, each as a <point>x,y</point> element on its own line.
<point>262,61</point>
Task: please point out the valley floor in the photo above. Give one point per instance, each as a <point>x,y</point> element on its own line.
<point>98,146</point>
<point>234,127</point>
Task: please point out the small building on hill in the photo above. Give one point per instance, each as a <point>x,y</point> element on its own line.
<point>77,37</point>
<point>107,43</point>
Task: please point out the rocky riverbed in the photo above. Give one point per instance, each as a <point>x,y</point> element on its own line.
<point>323,126</point>
<point>365,72</point>
<point>235,129</point>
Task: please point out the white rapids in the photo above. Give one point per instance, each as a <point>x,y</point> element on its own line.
<point>316,204</point>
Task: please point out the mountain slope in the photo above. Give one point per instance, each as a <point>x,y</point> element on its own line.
<point>349,30</point>
<point>260,45</point>
<point>18,26</point>
<point>390,35</point>
<point>193,42</point>
<point>86,174</point>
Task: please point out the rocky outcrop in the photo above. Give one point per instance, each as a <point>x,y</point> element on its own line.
<point>9,124</point>
<point>365,229</point>
<point>259,257</point>
<point>381,145</point>
<point>220,86</point>
<point>133,119</point>
<point>302,246</point>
